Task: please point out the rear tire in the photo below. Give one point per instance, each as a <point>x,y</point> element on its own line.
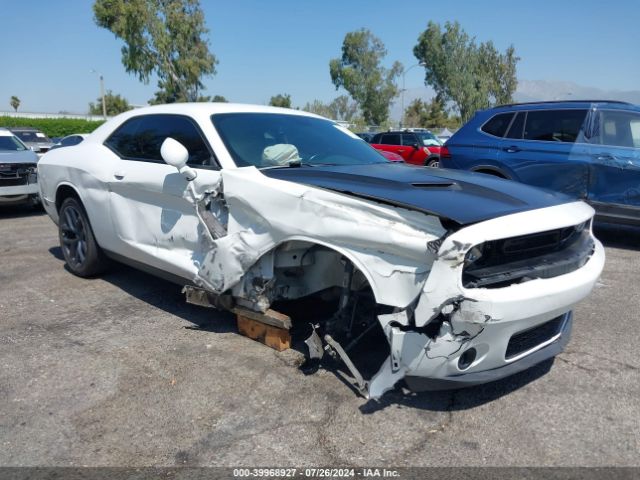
<point>82,253</point>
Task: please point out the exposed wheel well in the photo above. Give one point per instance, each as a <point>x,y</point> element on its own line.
<point>64,192</point>
<point>489,171</point>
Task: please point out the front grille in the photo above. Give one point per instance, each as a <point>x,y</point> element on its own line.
<point>531,338</point>
<point>540,255</point>
<point>13,182</point>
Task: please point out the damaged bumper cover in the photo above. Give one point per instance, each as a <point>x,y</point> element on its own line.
<point>456,336</point>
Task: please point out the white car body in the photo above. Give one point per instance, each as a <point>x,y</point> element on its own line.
<point>236,230</point>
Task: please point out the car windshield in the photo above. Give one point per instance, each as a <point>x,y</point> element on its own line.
<point>33,137</point>
<point>278,140</point>
<point>429,139</point>
<point>11,143</point>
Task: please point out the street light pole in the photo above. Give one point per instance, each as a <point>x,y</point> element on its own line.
<point>104,103</point>
<point>404,72</point>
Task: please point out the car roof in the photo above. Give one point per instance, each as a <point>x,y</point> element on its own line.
<point>211,108</point>
<point>24,129</point>
<point>5,132</point>
<point>565,104</point>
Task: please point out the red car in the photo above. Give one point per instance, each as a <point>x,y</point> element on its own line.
<point>417,147</point>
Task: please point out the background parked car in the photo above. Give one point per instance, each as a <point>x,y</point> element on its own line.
<point>33,138</point>
<point>367,136</point>
<point>586,149</point>
<point>417,147</point>
<point>18,170</point>
<point>70,140</point>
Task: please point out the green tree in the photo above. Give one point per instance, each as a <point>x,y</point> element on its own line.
<point>281,101</point>
<point>340,108</point>
<point>431,114</point>
<point>360,73</point>
<point>115,104</point>
<point>471,76</point>
<point>165,37</point>
<point>319,108</point>
<point>219,99</point>
<point>14,102</point>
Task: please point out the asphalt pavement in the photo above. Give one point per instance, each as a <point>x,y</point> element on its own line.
<point>119,370</point>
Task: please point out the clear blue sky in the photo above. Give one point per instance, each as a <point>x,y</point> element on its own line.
<point>284,46</point>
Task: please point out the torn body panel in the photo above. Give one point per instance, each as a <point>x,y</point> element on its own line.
<point>388,246</point>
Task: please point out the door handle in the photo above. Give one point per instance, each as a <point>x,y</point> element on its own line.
<point>511,149</point>
<point>119,175</point>
<point>603,157</point>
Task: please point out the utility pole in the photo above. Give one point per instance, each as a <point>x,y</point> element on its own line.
<point>104,103</point>
<point>404,72</point>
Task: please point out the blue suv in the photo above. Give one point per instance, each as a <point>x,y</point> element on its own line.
<point>587,149</point>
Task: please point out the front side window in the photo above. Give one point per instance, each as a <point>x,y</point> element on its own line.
<point>618,128</point>
<point>497,125</point>
<point>409,139</point>
<point>429,139</point>
<point>140,138</point>
<point>274,139</point>
<point>554,125</point>
<point>11,144</point>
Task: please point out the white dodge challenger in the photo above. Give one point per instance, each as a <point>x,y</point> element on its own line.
<point>466,278</point>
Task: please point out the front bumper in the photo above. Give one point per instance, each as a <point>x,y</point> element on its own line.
<point>28,189</point>
<point>428,342</point>
<point>536,356</point>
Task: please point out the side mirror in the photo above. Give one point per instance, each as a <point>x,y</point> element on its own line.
<point>416,146</point>
<point>176,155</point>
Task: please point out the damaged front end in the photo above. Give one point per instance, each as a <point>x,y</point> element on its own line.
<point>438,308</point>
<point>498,300</point>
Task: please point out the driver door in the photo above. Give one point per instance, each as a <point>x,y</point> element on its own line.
<point>152,206</point>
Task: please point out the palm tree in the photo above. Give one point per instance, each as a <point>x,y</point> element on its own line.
<point>15,102</point>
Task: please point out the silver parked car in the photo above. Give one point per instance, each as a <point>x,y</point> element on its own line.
<point>33,138</point>
<point>18,170</point>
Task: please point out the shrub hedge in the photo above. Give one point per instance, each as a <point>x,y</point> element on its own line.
<point>53,127</point>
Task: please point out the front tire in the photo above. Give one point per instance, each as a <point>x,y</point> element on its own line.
<point>79,247</point>
<point>433,162</point>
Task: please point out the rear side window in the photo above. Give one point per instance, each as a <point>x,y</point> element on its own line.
<point>517,126</point>
<point>498,124</point>
<point>141,138</point>
<point>554,125</point>
<point>390,139</point>
<point>619,128</point>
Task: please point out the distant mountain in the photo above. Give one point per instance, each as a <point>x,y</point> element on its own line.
<point>539,90</point>
<point>534,91</point>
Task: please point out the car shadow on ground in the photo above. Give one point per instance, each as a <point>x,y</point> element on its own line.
<point>164,295</point>
<point>618,236</point>
<point>9,211</point>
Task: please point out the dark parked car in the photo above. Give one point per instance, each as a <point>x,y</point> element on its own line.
<point>586,149</point>
<point>70,140</point>
<point>419,147</point>
<point>366,136</point>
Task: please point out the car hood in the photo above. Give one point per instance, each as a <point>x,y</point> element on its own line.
<point>12,156</point>
<point>463,197</point>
